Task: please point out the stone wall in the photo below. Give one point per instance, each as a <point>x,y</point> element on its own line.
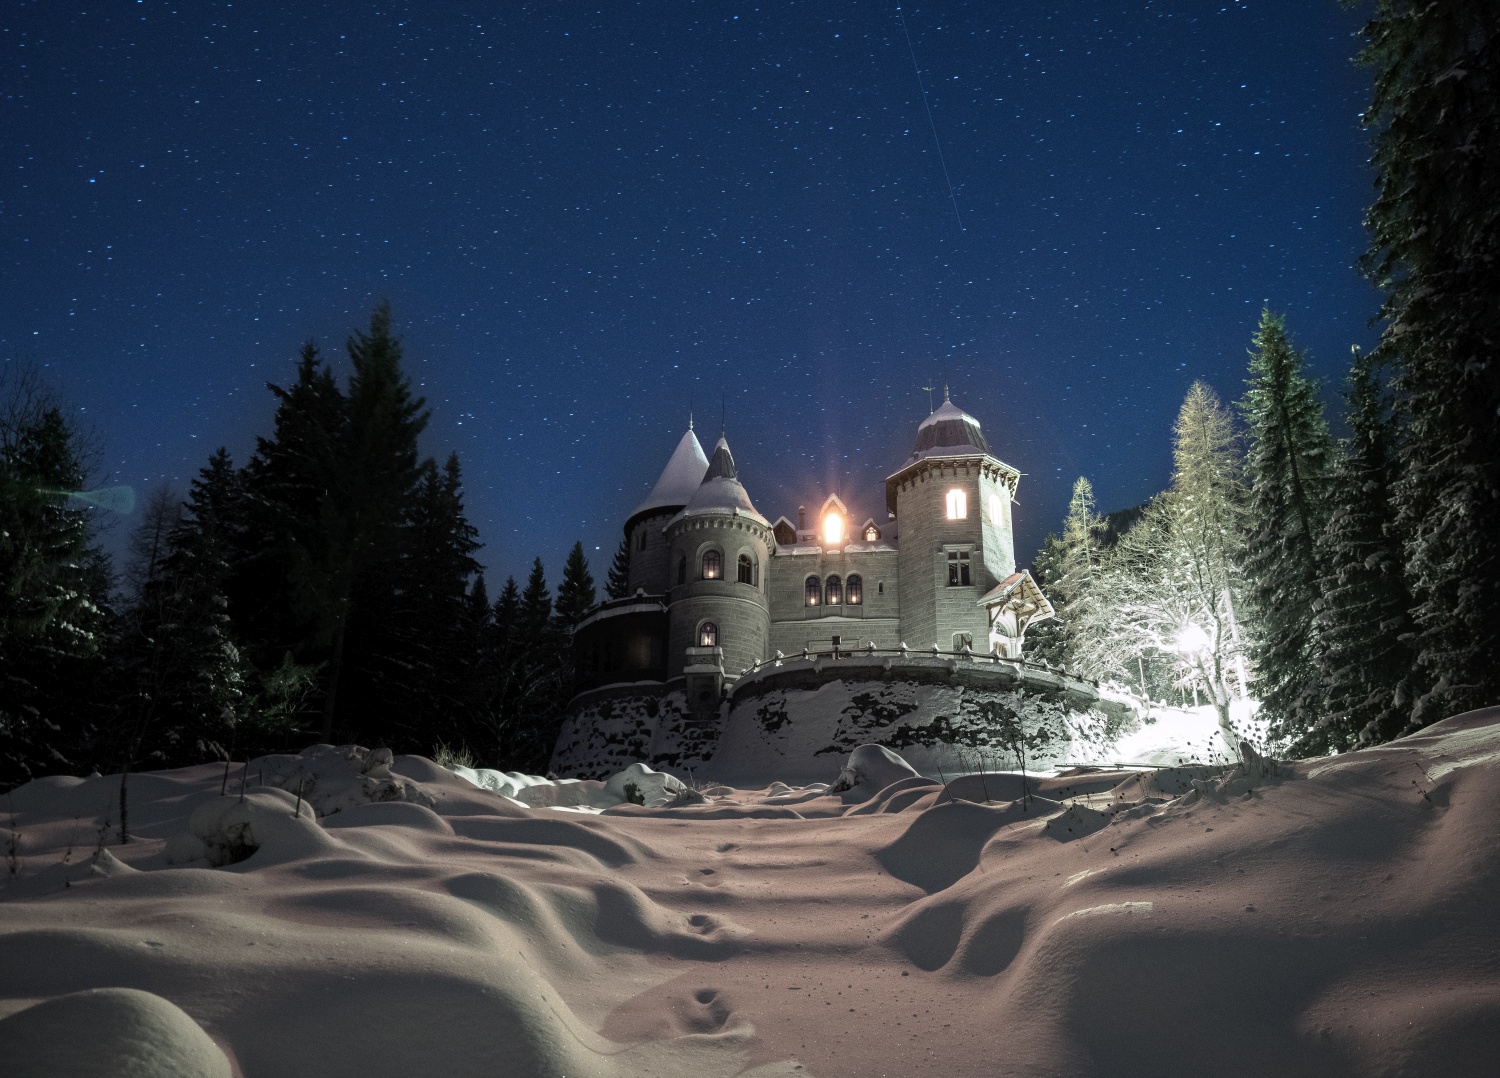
<point>609,731</point>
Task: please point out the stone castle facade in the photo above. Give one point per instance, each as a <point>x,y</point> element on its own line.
<point>715,587</point>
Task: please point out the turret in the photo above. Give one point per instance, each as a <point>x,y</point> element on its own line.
<point>719,548</point>
<point>679,481</point>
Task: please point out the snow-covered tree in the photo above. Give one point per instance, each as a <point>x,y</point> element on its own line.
<point>1435,247</point>
<point>1362,621</point>
<point>1171,591</point>
<point>1287,463</point>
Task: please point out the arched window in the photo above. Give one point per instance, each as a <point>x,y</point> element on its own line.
<point>713,565</point>
<point>814,591</point>
<point>643,538</point>
<point>708,635</point>
<point>682,570</point>
<point>997,509</point>
<point>958,505</point>
<point>747,570</point>
<point>872,533</point>
<point>833,592</point>
<point>854,590</point>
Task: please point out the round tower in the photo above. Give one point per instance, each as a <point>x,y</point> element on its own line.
<point>952,501</point>
<point>719,549</point>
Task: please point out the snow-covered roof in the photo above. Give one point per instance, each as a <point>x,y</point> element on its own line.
<point>679,479</point>
<point>720,491</point>
<point>1018,585</point>
<point>948,431</point>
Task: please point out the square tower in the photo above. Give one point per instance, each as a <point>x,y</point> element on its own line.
<point>952,501</point>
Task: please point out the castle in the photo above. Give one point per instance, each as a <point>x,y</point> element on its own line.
<point>715,588</point>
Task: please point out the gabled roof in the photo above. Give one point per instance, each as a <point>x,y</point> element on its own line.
<point>720,491</point>
<point>679,479</point>
<point>1018,588</point>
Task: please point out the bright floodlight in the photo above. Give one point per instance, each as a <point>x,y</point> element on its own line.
<point>833,529</point>
<point>1190,640</point>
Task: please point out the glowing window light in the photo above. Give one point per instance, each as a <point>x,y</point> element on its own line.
<point>997,509</point>
<point>833,529</point>
<point>708,635</point>
<point>958,505</point>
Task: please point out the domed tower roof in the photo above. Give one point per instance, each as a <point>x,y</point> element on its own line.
<point>720,491</point>
<point>679,479</point>
<point>949,431</point>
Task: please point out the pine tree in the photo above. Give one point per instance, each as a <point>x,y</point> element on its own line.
<point>617,585</point>
<point>1068,563</point>
<point>1362,621</point>
<point>1046,641</point>
<point>1435,246</point>
<point>1288,461</point>
<point>575,595</point>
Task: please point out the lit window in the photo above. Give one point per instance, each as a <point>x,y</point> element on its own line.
<point>814,591</point>
<point>997,508</point>
<point>958,505</point>
<point>713,565</point>
<point>958,568</point>
<point>872,533</point>
<point>708,635</point>
<point>854,590</point>
<point>833,592</point>
<point>833,529</point>
<point>746,570</point>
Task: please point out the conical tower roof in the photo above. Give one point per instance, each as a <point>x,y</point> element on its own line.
<point>679,480</point>
<point>720,491</point>
<point>949,431</point>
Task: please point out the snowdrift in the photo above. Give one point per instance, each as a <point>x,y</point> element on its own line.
<point>351,913</point>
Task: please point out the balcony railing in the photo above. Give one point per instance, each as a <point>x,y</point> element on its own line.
<point>909,654</point>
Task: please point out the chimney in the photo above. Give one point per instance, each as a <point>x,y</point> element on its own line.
<point>802,518</point>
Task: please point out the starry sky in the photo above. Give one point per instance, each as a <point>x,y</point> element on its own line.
<point>591,219</point>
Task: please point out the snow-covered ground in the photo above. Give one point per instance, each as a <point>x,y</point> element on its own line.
<point>359,915</point>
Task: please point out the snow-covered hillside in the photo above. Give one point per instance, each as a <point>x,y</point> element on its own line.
<point>358,915</point>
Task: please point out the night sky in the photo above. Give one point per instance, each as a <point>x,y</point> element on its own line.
<point>590,218</point>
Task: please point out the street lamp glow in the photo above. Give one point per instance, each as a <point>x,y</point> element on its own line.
<point>1190,640</point>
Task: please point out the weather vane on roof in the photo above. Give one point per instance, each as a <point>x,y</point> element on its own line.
<point>929,397</point>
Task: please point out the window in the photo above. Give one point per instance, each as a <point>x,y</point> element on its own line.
<point>643,539</point>
<point>814,591</point>
<point>958,505</point>
<point>682,570</point>
<point>962,640</point>
<point>880,588</point>
<point>872,533</point>
<point>854,590</point>
<point>833,529</point>
<point>747,570</point>
<point>708,635</point>
<point>713,565</point>
<point>997,509</point>
<point>958,568</point>
<point>833,592</point>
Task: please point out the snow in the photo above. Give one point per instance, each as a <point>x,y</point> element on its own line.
<point>1333,917</point>
<point>679,479</point>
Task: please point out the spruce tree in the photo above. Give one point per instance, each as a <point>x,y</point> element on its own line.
<point>617,584</point>
<point>1046,641</point>
<point>1362,622</point>
<point>575,595</point>
<point>53,619</point>
<point>1435,246</point>
<point>1287,463</point>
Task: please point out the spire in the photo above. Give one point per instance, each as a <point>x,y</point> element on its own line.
<point>679,479</point>
<point>721,464</point>
<point>721,491</point>
<point>945,393</point>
